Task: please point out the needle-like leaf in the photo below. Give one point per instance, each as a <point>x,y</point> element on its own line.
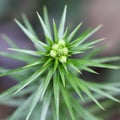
<point>46,82</point>
<point>62,75</point>
<point>20,69</point>
<point>56,89</point>
<point>35,100</point>
<point>46,19</point>
<point>15,56</point>
<point>47,34</point>
<point>21,108</point>
<point>71,80</point>
<point>31,79</point>
<point>83,112</point>
<point>62,24</point>
<point>98,91</point>
<point>56,38</point>
<point>67,101</point>
<point>28,25</point>
<point>31,36</point>
<point>45,106</point>
<point>29,52</point>
<point>72,34</point>
<point>85,36</point>
<point>9,41</point>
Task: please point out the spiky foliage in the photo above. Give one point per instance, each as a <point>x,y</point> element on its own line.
<point>49,85</point>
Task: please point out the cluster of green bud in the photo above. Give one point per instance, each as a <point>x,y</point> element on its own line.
<point>59,51</point>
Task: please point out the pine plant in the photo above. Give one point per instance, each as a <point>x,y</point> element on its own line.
<point>50,86</point>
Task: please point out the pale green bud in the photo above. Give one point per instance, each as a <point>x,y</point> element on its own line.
<point>63,59</point>
<point>53,53</point>
<point>65,51</point>
<point>59,51</point>
<point>55,46</point>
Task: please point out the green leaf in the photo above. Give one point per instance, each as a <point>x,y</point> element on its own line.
<point>86,46</point>
<point>85,89</point>
<point>72,81</point>
<point>94,64</point>
<point>65,33</point>
<point>72,34</point>
<point>32,37</point>
<point>35,100</point>
<point>80,37</point>
<point>31,79</point>
<point>30,28</point>
<point>100,92</point>
<point>86,115</point>
<point>62,24</point>
<point>56,64</point>
<point>65,67</point>
<point>109,87</point>
<point>20,69</point>
<point>28,25</point>
<point>11,102</point>
<point>47,34</point>
<point>94,52</point>
<point>67,101</point>
<point>62,74</point>
<point>9,41</point>
<point>85,36</point>
<point>56,90</point>
<point>46,19</point>
<point>56,38</point>
<point>107,59</point>
<point>29,52</point>
<point>21,108</point>
<point>92,42</point>
<point>81,65</point>
<point>91,96</point>
<point>88,70</point>
<point>26,91</point>
<point>9,92</point>
<point>15,56</point>
<point>75,68</point>
<point>46,82</point>
<point>48,61</point>
<point>45,106</point>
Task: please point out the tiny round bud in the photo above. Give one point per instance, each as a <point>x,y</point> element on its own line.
<point>63,59</point>
<point>53,53</point>
<point>59,51</point>
<point>61,42</point>
<point>55,46</point>
<point>65,51</point>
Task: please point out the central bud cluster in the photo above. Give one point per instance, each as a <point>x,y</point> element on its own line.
<point>59,51</point>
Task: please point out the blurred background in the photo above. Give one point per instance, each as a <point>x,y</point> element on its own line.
<point>91,12</point>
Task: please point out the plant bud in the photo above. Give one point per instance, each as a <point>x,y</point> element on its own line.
<point>63,59</point>
<point>55,46</point>
<point>53,53</point>
<point>65,51</point>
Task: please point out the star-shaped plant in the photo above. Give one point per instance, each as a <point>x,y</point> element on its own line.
<point>49,85</point>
